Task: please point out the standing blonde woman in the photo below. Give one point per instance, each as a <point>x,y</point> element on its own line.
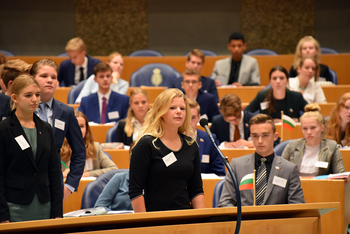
<point>338,127</point>
<point>30,181</point>
<point>313,154</point>
<point>309,47</point>
<point>128,129</point>
<point>165,171</point>
<point>116,62</point>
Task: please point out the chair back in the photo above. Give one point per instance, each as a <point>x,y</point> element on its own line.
<point>94,189</point>
<point>278,149</point>
<point>74,92</point>
<point>111,133</point>
<point>261,52</point>
<point>7,53</point>
<point>145,53</point>
<point>217,193</point>
<point>206,53</point>
<point>334,76</point>
<point>154,74</point>
<point>325,50</point>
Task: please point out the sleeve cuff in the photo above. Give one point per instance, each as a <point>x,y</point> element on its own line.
<point>70,187</point>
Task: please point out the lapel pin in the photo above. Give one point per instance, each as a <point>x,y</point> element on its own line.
<point>201,140</point>
<point>277,167</point>
<point>291,110</point>
<point>247,125</point>
<point>39,132</point>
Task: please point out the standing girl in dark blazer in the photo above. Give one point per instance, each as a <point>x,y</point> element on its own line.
<point>278,98</point>
<point>30,182</point>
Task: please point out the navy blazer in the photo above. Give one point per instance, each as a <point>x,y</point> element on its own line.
<point>66,72</point>
<point>72,132</point>
<point>206,147</point>
<point>208,104</point>
<point>5,109</point>
<point>208,86</point>
<point>120,134</point>
<point>117,102</point>
<point>222,128</point>
<point>21,175</point>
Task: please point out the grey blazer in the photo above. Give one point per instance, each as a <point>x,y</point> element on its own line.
<point>248,72</point>
<point>292,193</point>
<point>329,152</point>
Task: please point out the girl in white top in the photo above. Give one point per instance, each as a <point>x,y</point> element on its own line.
<point>313,154</point>
<point>116,62</point>
<point>304,82</point>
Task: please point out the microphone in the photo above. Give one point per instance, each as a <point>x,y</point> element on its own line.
<point>204,123</point>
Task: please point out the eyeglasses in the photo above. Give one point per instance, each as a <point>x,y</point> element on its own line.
<point>191,81</point>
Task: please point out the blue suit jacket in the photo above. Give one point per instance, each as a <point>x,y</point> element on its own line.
<point>208,104</point>
<point>117,102</point>
<point>208,86</point>
<point>222,128</point>
<point>5,110</point>
<point>206,147</point>
<point>73,134</point>
<point>67,71</point>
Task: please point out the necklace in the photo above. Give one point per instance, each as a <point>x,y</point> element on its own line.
<point>301,88</point>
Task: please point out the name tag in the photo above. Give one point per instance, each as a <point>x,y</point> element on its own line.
<point>279,181</point>
<point>264,105</point>
<point>169,159</point>
<point>321,164</point>
<point>205,158</point>
<point>22,142</point>
<point>113,115</point>
<point>59,124</point>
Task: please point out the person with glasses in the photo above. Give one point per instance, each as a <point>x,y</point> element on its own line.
<point>191,85</point>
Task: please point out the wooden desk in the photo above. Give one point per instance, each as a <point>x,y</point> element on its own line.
<point>334,92</point>
<point>100,132</point>
<point>152,92</point>
<point>326,108</point>
<point>75,106</point>
<point>287,219</point>
<point>120,157</point>
<point>73,202</point>
<point>245,93</point>
<point>61,94</point>
<point>345,153</point>
<point>288,135</point>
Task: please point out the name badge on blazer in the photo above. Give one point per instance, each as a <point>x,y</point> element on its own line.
<point>264,105</point>
<point>59,124</point>
<point>169,159</point>
<point>321,164</point>
<point>205,158</point>
<point>113,115</point>
<point>279,181</point>
<point>22,142</point>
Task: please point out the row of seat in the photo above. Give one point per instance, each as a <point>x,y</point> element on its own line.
<point>154,53</point>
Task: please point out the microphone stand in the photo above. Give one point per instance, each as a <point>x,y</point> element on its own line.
<point>234,180</point>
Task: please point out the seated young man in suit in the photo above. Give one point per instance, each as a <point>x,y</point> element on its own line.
<point>210,158</point>
<point>79,66</point>
<point>8,73</point>
<point>62,119</point>
<point>277,180</point>
<point>239,69</point>
<point>232,125</point>
<point>191,85</point>
<point>195,60</point>
<point>105,105</point>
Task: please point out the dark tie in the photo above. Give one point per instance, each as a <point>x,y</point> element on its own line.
<point>234,73</point>
<point>104,110</point>
<point>261,182</point>
<point>43,112</point>
<point>81,74</point>
<point>237,135</point>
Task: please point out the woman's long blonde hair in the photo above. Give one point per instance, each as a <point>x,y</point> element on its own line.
<point>334,123</point>
<point>297,56</point>
<point>66,150</point>
<point>129,128</point>
<point>154,123</point>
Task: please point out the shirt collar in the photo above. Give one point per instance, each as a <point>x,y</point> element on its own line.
<point>49,103</point>
<point>107,95</point>
<point>269,158</point>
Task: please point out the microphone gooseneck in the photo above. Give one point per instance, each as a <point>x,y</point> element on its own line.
<point>204,124</point>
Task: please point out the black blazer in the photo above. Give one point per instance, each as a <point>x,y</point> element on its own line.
<point>222,128</point>
<point>120,134</point>
<point>4,106</point>
<point>21,176</point>
<point>295,104</point>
